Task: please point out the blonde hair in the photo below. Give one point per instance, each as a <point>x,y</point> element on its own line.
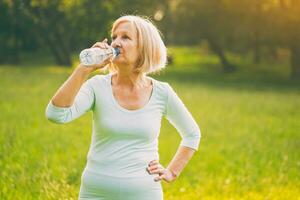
<point>153,52</point>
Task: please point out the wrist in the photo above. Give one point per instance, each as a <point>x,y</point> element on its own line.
<point>85,71</point>
<point>173,173</point>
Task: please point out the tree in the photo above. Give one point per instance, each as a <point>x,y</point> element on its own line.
<point>205,20</point>
<point>287,30</point>
<point>14,31</point>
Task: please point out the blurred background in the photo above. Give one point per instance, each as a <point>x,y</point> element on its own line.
<point>234,63</point>
<point>261,29</point>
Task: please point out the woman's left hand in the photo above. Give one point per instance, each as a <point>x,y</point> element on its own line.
<point>154,167</point>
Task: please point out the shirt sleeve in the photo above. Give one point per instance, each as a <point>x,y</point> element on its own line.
<point>83,102</point>
<point>178,115</point>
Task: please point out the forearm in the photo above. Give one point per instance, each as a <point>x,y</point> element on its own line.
<point>66,94</point>
<point>180,160</point>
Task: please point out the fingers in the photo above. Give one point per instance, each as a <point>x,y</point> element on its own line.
<point>107,60</point>
<point>153,162</point>
<point>99,45</point>
<point>105,43</point>
<point>159,178</point>
<point>157,171</point>
<point>155,168</point>
<point>102,45</point>
<point>153,165</point>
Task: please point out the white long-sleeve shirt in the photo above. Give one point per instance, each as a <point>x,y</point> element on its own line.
<point>125,141</point>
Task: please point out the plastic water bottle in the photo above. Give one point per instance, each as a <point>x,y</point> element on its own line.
<point>97,55</point>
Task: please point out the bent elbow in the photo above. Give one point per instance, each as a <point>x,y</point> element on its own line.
<point>192,140</point>
<point>55,114</point>
<point>50,116</point>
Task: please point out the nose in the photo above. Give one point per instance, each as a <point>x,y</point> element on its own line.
<point>116,44</point>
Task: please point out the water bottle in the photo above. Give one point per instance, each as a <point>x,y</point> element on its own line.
<point>97,55</point>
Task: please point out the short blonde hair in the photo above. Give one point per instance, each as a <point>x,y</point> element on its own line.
<point>153,52</point>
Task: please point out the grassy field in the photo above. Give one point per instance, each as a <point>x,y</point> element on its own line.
<point>250,123</point>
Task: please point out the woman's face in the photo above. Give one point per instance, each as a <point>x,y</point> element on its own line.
<point>124,36</point>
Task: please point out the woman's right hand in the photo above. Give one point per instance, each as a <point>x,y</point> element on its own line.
<point>91,68</point>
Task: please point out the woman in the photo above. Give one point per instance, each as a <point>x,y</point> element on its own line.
<point>123,161</point>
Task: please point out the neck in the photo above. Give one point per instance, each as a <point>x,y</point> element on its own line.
<point>129,80</point>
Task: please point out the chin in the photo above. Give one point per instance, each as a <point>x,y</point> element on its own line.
<point>119,61</point>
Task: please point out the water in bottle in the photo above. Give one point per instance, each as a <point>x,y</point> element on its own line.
<point>97,55</point>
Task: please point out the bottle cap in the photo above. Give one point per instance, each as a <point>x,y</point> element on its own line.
<point>117,50</point>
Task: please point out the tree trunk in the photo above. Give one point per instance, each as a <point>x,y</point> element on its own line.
<point>295,61</point>
<point>256,41</point>
<point>61,55</point>
<point>256,48</point>
<point>63,39</point>
<point>16,48</point>
<point>53,40</point>
<point>227,67</point>
<point>56,48</point>
<point>256,52</point>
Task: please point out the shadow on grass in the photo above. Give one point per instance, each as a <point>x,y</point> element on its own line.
<point>206,74</point>
<point>238,80</point>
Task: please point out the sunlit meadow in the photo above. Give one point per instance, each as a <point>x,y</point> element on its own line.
<point>250,124</point>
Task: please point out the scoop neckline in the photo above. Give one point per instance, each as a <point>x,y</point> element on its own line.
<point>125,109</point>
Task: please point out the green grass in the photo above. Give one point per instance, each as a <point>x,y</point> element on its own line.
<point>249,122</point>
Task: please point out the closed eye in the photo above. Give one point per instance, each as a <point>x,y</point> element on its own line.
<point>125,37</point>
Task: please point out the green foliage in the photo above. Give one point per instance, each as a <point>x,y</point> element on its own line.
<point>61,28</point>
<point>249,122</point>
